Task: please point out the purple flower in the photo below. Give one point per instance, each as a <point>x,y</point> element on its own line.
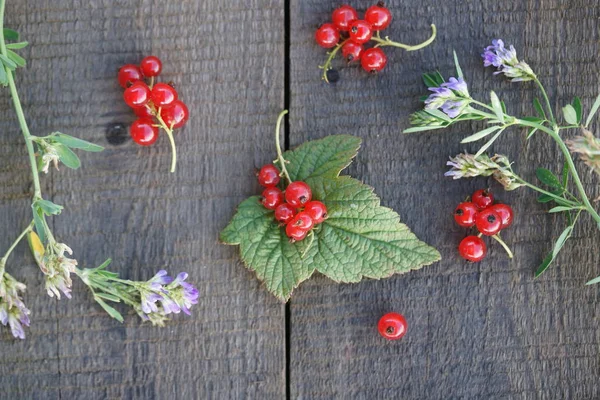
<point>159,280</point>
<point>506,61</point>
<point>15,317</point>
<point>182,295</point>
<point>148,301</point>
<point>451,97</point>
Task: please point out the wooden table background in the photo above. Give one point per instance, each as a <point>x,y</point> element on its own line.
<point>486,330</point>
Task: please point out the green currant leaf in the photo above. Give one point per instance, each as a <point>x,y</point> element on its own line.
<point>359,239</point>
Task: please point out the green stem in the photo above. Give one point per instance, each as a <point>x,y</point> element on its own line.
<point>12,247</point>
<point>19,109</point>
<point>169,131</point>
<point>387,42</point>
<point>565,150</point>
<point>327,66</point>
<point>280,158</point>
<point>547,100</point>
<point>499,240</point>
<point>539,189</point>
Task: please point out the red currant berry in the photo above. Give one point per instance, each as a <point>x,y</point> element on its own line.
<point>352,51</point>
<point>378,16</point>
<point>284,213</point>
<point>302,220</point>
<point>151,66</point>
<point>483,198</point>
<point>163,95</point>
<point>295,233</point>
<point>392,326</point>
<point>143,112</point>
<point>505,212</point>
<point>129,74</point>
<point>176,115</point>
<point>327,36</point>
<point>137,95</point>
<point>316,210</point>
<point>472,248</point>
<point>488,222</point>
<point>342,17</point>
<point>373,60</point>
<point>465,214</point>
<point>360,31</point>
<point>268,176</point>
<point>271,198</point>
<point>143,131</point>
<point>298,193</point>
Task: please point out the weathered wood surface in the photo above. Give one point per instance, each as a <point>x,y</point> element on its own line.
<point>485,330</point>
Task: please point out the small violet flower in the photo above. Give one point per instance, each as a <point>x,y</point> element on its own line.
<point>506,61</point>
<point>174,295</point>
<point>13,311</point>
<point>451,97</point>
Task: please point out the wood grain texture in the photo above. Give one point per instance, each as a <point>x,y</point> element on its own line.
<point>486,330</point>
<point>124,204</point>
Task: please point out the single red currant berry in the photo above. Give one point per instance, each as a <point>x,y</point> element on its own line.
<point>129,74</point>
<point>151,66</point>
<point>378,16</point>
<point>360,31</point>
<point>163,95</point>
<point>143,131</point>
<point>143,112</point>
<point>284,213</point>
<point>327,36</point>
<point>505,212</point>
<point>472,248</point>
<point>342,17</point>
<point>268,176</point>
<point>298,193</point>
<point>373,60</point>
<point>483,198</point>
<point>465,214</point>
<point>488,222</point>
<point>271,198</point>
<point>295,233</point>
<point>392,326</point>
<point>176,115</point>
<point>302,220</point>
<point>137,95</point>
<point>316,210</point>
<point>352,51</point>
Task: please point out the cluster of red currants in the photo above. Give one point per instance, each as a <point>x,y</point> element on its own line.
<point>360,31</point>
<point>157,105</point>
<point>487,217</point>
<point>294,208</point>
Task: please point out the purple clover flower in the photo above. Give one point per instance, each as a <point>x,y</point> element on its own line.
<point>174,295</point>
<point>506,61</point>
<point>15,316</point>
<point>451,97</point>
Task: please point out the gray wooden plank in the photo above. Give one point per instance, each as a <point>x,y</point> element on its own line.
<point>486,330</point>
<point>124,204</point>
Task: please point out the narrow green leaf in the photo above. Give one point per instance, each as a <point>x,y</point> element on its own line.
<point>108,274</point>
<point>488,144</point>
<point>503,107</point>
<point>558,209</point>
<point>497,106</point>
<point>544,265</point>
<point>593,281</point>
<point>593,111</point>
<point>17,59</point>
<point>548,178</point>
<point>75,143</point>
<point>531,132</point>
<point>10,34</point>
<point>48,207</point>
<point>3,76</point>
<point>565,176</point>
<point>108,296</point>
<point>439,114</point>
<point>480,135</point>
<point>539,108</point>
<point>10,64</point>
<point>578,109</point>
<point>67,157</point>
<point>109,309</point>
<point>422,129</point>
<point>104,264</point>
<point>570,114</point>
<point>17,46</point>
<point>532,119</point>
<point>544,198</point>
<point>459,72</point>
<point>39,223</point>
<point>429,81</point>
<point>560,242</point>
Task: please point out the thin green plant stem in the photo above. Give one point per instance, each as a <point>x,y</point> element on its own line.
<point>280,158</point>
<point>12,247</point>
<point>387,42</point>
<point>332,54</point>
<point>169,131</point>
<point>547,193</point>
<point>19,110</point>
<point>499,240</point>
<point>547,100</point>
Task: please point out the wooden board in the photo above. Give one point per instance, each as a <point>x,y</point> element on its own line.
<point>124,204</point>
<point>486,330</point>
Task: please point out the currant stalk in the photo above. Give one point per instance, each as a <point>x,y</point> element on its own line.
<point>280,160</point>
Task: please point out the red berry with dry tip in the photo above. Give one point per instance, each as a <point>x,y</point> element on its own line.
<point>352,51</point>
<point>488,222</point>
<point>129,74</point>
<point>327,36</point>
<point>137,95</point>
<point>298,193</point>
<point>373,60</point>
<point>316,210</point>
<point>343,16</point>
<point>378,16</point>
<point>465,214</point>
<point>360,31</point>
<point>482,198</point>
<point>392,326</point>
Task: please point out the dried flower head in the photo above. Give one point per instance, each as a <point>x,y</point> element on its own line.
<point>506,61</point>
<point>588,146</point>
<point>451,97</point>
<point>58,268</point>
<point>48,154</point>
<point>468,166</point>
<point>13,311</point>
